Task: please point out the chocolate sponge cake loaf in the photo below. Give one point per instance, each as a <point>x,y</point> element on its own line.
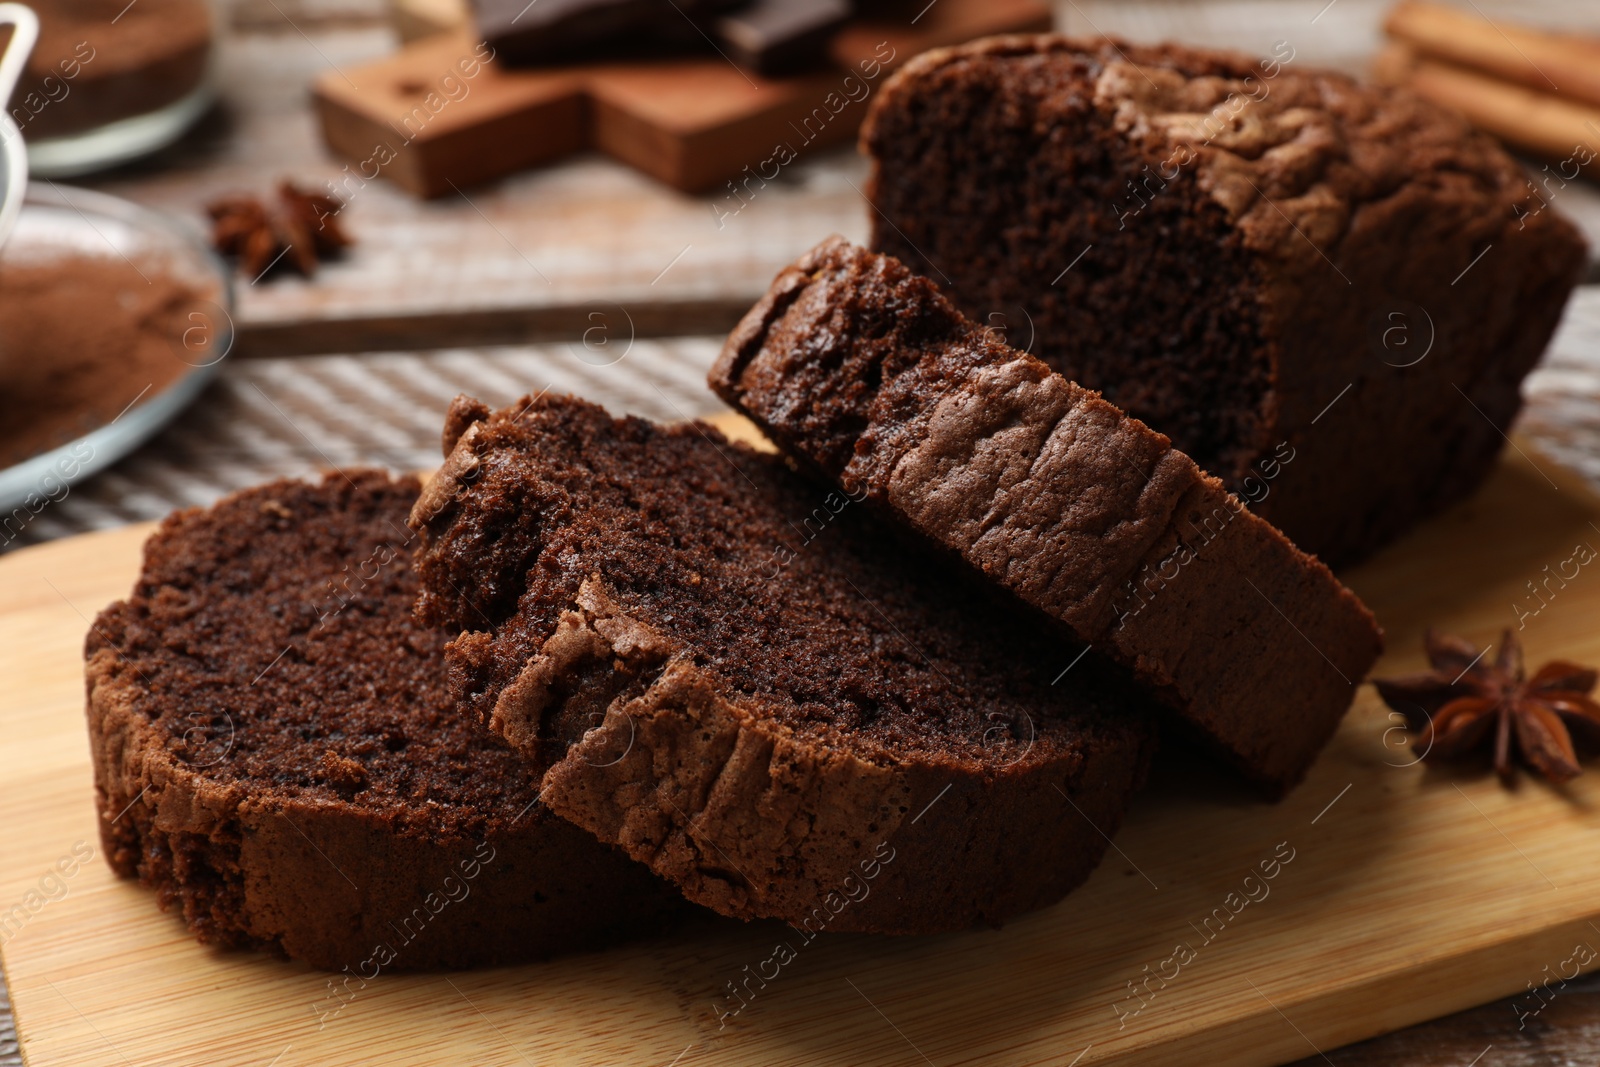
<point>758,695</point>
<point>864,372</point>
<point>277,752</point>
<point>1259,259</point>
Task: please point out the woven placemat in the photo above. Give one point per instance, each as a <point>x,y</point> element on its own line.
<point>1563,412</point>
<point>9,1055</point>
<point>269,418</point>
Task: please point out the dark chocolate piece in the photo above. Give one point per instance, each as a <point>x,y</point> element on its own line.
<point>778,37</point>
<point>564,31</point>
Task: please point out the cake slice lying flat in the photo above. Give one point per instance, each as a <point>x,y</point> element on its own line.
<point>863,371</point>
<point>277,753</point>
<point>741,682</point>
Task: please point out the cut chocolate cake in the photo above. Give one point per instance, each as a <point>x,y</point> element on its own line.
<point>865,372</point>
<point>277,753</point>
<point>1326,294</point>
<point>765,700</point>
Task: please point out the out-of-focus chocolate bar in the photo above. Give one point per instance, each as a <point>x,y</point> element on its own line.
<point>526,32</point>
<point>912,26</point>
<point>778,37</point>
<point>441,115</point>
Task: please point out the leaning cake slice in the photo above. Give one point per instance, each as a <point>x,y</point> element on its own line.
<point>760,696</point>
<point>863,371</point>
<point>277,753</point>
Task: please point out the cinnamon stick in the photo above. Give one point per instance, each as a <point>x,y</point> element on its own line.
<point>1549,127</point>
<point>1568,66</point>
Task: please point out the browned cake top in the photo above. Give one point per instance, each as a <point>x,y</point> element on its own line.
<point>1289,151</point>
<point>779,588</point>
<point>1219,244</point>
<point>270,643</point>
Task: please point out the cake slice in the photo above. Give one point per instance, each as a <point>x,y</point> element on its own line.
<point>1255,257</point>
<point>864,372</point>
<point>276,751</point>
<point>758,694</point>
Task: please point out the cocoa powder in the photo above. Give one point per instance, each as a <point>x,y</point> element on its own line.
<point>82,336</point>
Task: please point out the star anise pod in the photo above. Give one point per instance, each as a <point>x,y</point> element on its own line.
<point>314,218</point>
<point>1466,699</point>
<point>240,227</point>
<point>302,230</point>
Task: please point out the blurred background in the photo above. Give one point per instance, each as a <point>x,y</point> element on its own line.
<point>577,271</point>
<point>268,237</point>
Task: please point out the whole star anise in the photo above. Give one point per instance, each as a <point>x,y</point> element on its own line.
<point>302,230</point>
<point>1464,700</point>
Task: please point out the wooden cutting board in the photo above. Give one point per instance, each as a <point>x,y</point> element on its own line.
<point>1398,893</point>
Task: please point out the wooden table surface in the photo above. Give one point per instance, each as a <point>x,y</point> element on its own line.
<point>533,258</point>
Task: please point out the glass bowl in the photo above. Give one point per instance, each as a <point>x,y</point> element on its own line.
<point>118,142</point>
<point>61,223</point>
